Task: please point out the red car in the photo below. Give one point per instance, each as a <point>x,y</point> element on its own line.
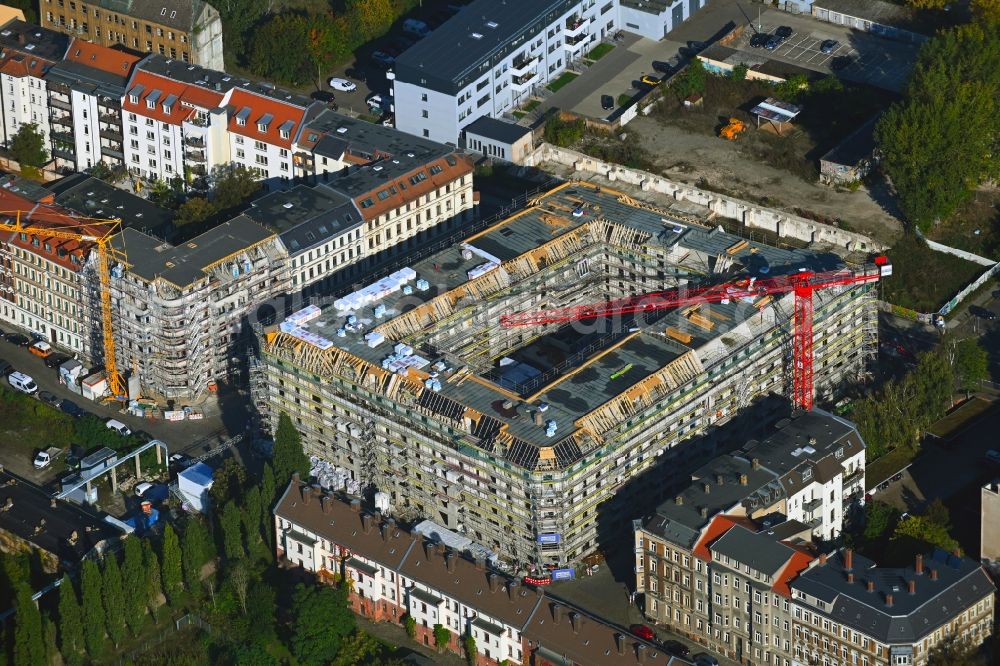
<point>642,631</point>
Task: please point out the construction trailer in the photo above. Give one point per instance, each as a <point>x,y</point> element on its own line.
<point>515,437</point>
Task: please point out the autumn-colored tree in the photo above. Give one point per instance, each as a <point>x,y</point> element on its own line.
<point>370,18</point>
<point>987,11</point>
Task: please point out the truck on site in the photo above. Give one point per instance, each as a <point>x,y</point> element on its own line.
<point>44,458</point>
<point>733,129</point>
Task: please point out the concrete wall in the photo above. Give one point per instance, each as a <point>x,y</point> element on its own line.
<point>752,216</point>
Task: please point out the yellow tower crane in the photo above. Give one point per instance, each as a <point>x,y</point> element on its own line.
<point>48,223</point>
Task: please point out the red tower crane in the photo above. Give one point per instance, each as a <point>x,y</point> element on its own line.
<point>802,284</point>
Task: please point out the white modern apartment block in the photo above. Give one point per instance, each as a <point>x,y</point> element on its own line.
<point>491,56</point>
<point>184,120</point>
<point>26,54</point>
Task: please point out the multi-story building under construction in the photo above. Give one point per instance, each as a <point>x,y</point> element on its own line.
<point>515,436</point>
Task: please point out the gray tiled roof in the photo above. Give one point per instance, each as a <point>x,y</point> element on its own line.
<point>305,216</point>
<point>757,550</point>
<point>960,583</point>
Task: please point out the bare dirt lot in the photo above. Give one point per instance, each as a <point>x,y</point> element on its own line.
<point>695,158</point>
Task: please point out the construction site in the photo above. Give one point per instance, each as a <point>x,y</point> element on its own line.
<point>507,386</point>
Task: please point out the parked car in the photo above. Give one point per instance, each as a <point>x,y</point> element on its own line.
<point>342,84</point>
<point>22,382</point>
<point>772,43</point>
<point>49,398</point>
<point>416,27</point>
<point>993,456</point>
<point>375,102</point>
<point>783,32</point>
<point>607,102</point>
<point>759,39</point>
<point>18,339</point>
<point>643,631</point>
<point>829,46</point>
<point>44,458</point>
<point>648,80</point>
<point>55,360</point>
<point>41,349</point>
<point>676,648</point>
<point>71,408</point>
<point>5,368</point>
<point>118,427</point>
<point>383,59</point>
<point>705,659</point>
<point>982,313</point>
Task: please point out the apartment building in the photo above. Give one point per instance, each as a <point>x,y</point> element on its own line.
<point>412,386</point>
<point>85,105</point>
<point>27,52</point>
<point>183,120</point>
<point>848,610</point>
<point>181,310</point>
<point>184,30</point>
<point>492,56</point>
<point>396,573</point>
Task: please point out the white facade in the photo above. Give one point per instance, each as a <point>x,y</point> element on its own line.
<point>316,263</point>
<point>25,101</point>
<point>271,163</point>
<point>86,130</point>
<point>637,18</point>
<point>153,149</point>
<point>822,505</point>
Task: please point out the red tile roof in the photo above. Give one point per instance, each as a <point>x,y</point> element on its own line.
<point>259,106</point>
<point>101,57</point>
<point>719,525</point>
<point>200,97</point>
<point>16,64</point>
<point>798,563</point>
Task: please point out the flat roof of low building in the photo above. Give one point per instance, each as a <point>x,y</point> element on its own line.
<point>885,13</point>
<point>306,215</point>
<point>92,197</point>
<point>334,133</point>
<point>32,40</point>
<point>498,130</point>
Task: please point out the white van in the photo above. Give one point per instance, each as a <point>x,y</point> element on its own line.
<point>119,427</point>
<point>416,28</point>
<point>22,383</point>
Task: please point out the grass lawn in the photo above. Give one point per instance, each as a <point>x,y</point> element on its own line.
<point>29,425</point>
<point>960,417</point>
<point>975,227</point>
<point>600,51</point>
<point>922,279</point>
<point>531,105</point>
<point>624,99</point>
<point>563,79</point>
<point>519,114</point>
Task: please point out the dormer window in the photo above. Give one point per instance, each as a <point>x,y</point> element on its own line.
<point>241,121</point>
<point>150,104</point>
<point>264,123</point>
<point>284,134</point>
<point>133,99</point>
<point>166,109</point>
<point>261,127</point>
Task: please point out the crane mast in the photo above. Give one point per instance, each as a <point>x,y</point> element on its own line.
<point>802,284</point>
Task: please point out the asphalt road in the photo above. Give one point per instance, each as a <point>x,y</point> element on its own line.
<point>191,437</point>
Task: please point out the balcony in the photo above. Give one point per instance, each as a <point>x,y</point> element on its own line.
<point>58,102</point>
<point>64,152</point>
<point>195,155</point>
<point>572,43</point>
<point>522,66</point>
<point>62,137</point>
<point>63,121</point>
<point>523,82</point>
<point>195,141</point>
<point>111,133</point>
<point>575,26</point>
<point>811,505</point>
<point>110,118</point>
<point>854,477</point>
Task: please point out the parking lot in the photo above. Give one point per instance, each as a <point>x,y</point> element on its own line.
<point>856,56</point>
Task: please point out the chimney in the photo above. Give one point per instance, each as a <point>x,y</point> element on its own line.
<point>743,479</point>
<point>620,643</point>
<point>754,463</point>
<point>934,574</point>
<point>391,524</point>
<point>871,585</point>
<point>706,487</point>
<point>679,500</point>
<point>439,547</point>
<point>822,559</point>
<point>557,613</point>
<point>912,585</point>
<point>919,566</point>
<point>888,601</point>
<point>481,564</point>
<point>307,493</point>
<point>719,479</point>
<point>367,523</point>
<point>574,619</point>
<point>703,511</point>
<point>640,653</point>
<point>848,559</point>
<point>493,580</point>
<point>850,577</point>
<point>384,531</point>
<point>326,504</point>
<point>512,588</point>
<point>449,561</point>
<point>356,505</point>
<point>296,478</point>
<point>539,418</point>
<point>52,503</point>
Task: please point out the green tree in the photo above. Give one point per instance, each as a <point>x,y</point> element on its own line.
<point>793,89</point>
<point>288,455</point>
<point>114,599</point>
<point>986,11</point>
<point>228,482</point>
<point>880,519</point>
<point>94,620</point>
<point>168,194</point>
<point>927,4</point>
<point>29,643</point>
<point>955,651</point>
<point>254,654</point>
<point>442,636</point>
<point>195,552</point>
<point>238,19</point>
<point>358,648</point>
<point>563,133</point>
<point>268,498</point>
<point>28,146</point>
<point>320,622</point>
<point>195,211</point>
<point>170,565</point>
<point>410,625</point>
<point>232,534</point>
<point>327,42</point>
<point>233,186</point>
<point>70,623</point>
<point>918,531</point>
<point>276,49</point>
<point>370,18</point>
<point>154,580</point>
<point>691,80</point>
<point>938,514</point>
<point>739,72</point>
<point>135,587</point>
<point>970,364</point>
<point>262,606</point>
<point>469,644</point>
